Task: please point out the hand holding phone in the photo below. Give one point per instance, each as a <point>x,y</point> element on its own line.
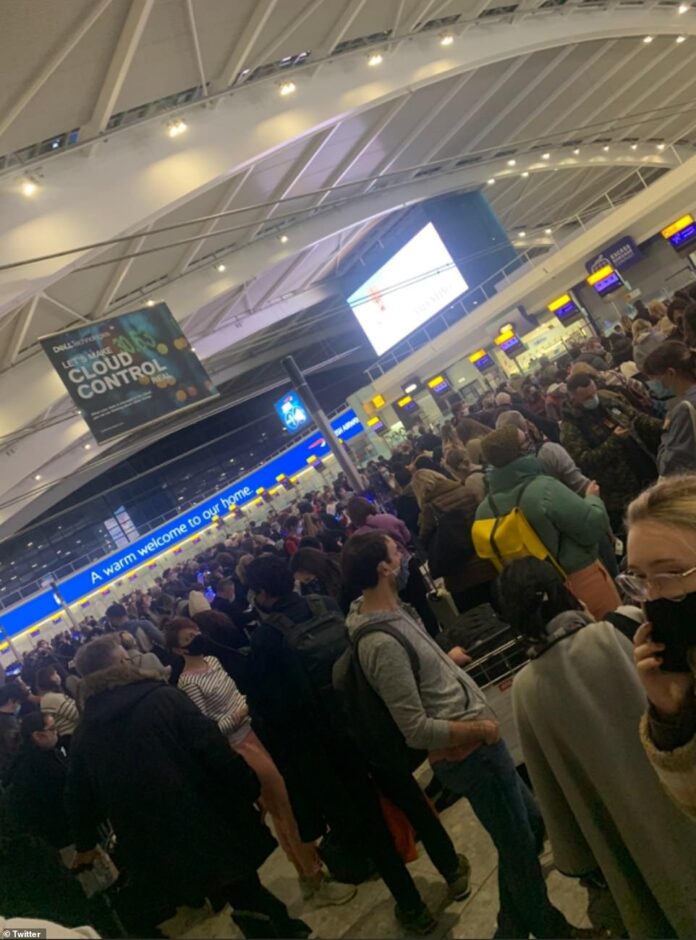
<point>667,691</point>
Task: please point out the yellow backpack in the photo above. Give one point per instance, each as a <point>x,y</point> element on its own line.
<point>503,539</point>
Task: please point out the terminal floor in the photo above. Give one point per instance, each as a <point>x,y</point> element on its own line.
<point>370,913</point>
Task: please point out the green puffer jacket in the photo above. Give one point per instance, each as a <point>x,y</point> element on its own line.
<point>604,457</point>
<point>568,525</point>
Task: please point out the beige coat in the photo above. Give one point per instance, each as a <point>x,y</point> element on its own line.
<point>578,708</point>
<point>437,495</point>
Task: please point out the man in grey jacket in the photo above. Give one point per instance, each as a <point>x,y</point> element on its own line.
<point>447,714</point>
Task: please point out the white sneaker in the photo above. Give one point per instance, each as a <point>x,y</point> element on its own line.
<point>327,893</point>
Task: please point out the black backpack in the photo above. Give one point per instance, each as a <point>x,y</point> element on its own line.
<point>369,719</point>
<point>313,646</point>
<point>451,545</point>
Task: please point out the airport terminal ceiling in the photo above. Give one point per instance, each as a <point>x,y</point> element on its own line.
<point>245,152</point>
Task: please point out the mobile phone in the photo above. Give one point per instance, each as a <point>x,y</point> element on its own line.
<point>672,626</point>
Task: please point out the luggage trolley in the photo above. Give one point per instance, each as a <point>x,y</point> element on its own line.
<point>494,671</point>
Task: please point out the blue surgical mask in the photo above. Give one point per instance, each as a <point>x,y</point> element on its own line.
<point>591,403</point>
<point>660,390</point>
<point>401,574</point>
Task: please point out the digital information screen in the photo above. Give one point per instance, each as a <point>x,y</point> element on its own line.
<point>415,284</point>
<point>565,309</point>
<point>438,386</point>
<point>681,232</point>
<point>605,281</point>
<point>292,412</point>
<point>377,425</point>
<point>510,343</point>
<point>481,360</point>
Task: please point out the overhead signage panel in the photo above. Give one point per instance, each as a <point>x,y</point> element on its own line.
<point>128,371</point>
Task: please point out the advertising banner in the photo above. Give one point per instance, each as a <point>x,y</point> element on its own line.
<point>621,254</point>
<point>129,370</point>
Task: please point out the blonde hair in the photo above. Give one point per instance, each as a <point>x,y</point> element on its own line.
<point>639,327</point>
<point>666,326</point>
<point>657,309</point>
<point>583,368</point>
<point>670,502</point>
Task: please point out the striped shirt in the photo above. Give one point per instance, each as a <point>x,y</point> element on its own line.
<point>216,694</point>
<point>64,711</point>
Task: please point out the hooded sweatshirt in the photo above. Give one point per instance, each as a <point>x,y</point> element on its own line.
<point>677,453</point>
<point>444,692</point>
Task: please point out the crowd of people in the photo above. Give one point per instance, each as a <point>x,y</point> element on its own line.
<point>282,688</point>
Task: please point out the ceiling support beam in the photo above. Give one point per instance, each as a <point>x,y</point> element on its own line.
<point>509,73</point>
<point>196,45</point>
<point>359,148</point>
<point>19,333</point>
<point>269,51</point>
<point>338,31</point>
<point>310,153</point>
<point>52,64</point>
<point>228,198</point>
<point>527,89</point>
<point>121,270</point>
<point>396,154</point>
<point>128,42</point>
<point>73,314</point>
<point>238,58</point>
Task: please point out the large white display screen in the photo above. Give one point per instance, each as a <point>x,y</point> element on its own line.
<point>409,289</point>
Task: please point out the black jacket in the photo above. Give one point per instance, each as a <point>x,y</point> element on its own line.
<point>36,783</point>
<point>179,799</point>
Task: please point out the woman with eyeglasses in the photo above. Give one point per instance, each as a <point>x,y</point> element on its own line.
<point>577,706</point>
<point>662,576</point>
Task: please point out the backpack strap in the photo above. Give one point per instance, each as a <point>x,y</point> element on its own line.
<point>395,634</point>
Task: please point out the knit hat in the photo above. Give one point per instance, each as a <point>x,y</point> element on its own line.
<point>501,447</point>
<point>197,603</point>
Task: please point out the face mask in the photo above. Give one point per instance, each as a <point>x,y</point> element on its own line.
<point>674,624</point>
<point>312,587</point>
<point>401,574</point>
<point>197,646</point>
<point>591,403</point>
<point>660,389</point>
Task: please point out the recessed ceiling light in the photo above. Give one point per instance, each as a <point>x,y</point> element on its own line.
<point>491,181</point>
<point>634,146</point>
<point>375,59</point>
<point>150,303</point>
<point>446,39</point>
<point>221,267</point>
<point>512,163</point>
<point>546,156</point>
<point>287,88</point>
<point>284,239</point>
<point>606,148</point>
<point>661,146</point>
<point>525,174</point>
<point>683,8</point>
<point>681,39</point>
<point>37,476</point>
<point>29,186</point>
<point>577,151</point>
<point>648,39</point>
<point>521,234</point>
<point>88,446</point>
<point>176,127</point>
<point>547,231</point>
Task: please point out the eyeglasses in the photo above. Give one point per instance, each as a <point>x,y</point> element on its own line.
<point>637,586</point>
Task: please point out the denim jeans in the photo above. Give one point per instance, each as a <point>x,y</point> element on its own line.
<point>508,812</point>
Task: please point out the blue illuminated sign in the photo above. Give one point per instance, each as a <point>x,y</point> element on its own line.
<point>346,426</point>
<point>292,411</point>
<point>608,284</point>
<point>687,234</point>
<point>621,254</point>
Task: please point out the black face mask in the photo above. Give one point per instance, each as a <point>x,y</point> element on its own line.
<point>674,624</point>
<point>313,587</point>
<point>197,646</point>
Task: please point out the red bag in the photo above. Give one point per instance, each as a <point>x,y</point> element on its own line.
<point>403,833</point>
